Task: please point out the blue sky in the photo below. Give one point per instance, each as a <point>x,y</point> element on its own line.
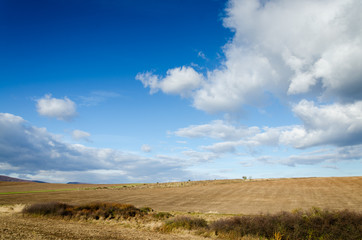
<point>154,91</point>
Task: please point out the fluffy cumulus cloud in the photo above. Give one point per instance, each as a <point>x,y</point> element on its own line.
<point>182,81</point>
<point>292,51</point>
<point>294,45</point>
<point>61,109</point>
<point>335,124</point>
<point>36,154</point>
<point>280,47</point>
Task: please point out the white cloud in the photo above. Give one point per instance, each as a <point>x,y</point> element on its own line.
<point>146,148</point>
<point>182,80</point>
<point>217,129</point>
<point>7,120</point>
<point>33,151</point>
<point>304,41</point>
<point>202,55</point>
<point>280,47</point>
<point>81,135</point>
<point>96,97</point>
<point>334,125</point>
<point>291,51</point>
<point>224,147</point>
<point>329,155</point>
<point>239,81</point>
<point>233,136</point>
<point>61,109</point>
<point>195,156</point>
<point>6,166</point>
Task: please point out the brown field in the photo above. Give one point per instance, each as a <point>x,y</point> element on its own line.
<point>211,199</point>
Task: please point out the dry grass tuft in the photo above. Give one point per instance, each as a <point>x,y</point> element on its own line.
<point>312,224</point>
<point>298,224</point>
<point>184,222</point>
<point>87,211</point>
<point>162,215</point>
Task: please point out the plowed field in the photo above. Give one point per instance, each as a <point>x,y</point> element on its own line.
<point>211,199</point>
<point>226,197</point>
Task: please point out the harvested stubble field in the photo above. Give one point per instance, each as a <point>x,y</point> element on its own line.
<point>209,199</point>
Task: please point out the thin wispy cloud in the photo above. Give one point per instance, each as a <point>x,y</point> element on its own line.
<point>146,148</point>
<point>97,97</point>
<point>202,55</point>
<point>80,135</point>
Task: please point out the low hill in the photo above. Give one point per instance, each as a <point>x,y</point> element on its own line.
<point>4,178</point>
<point>76,183</point>
<point>11,179</point>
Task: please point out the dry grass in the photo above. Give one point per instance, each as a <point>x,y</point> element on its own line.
<point>226,197</point>
<point>18,227</point>
<point>86,211</point>
<point>184,222</point>
<point>312,224</point>
<point>199,202</point>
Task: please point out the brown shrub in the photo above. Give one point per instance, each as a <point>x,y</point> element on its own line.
<point>162,215</point>
<point>312,224</point>
<point>50,208</point>
<point>189,223</point>
<point>87,211</point>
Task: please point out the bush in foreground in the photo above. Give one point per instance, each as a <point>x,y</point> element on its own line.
<point>50,209</point>
<point>184,222</point>
<point>87,211</point>
<point>162,215</point>
<point>313,224</point>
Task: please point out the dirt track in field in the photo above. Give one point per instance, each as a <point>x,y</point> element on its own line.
<point>225,197</point>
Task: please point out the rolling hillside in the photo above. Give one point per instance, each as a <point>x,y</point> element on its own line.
<point>10,179</point>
